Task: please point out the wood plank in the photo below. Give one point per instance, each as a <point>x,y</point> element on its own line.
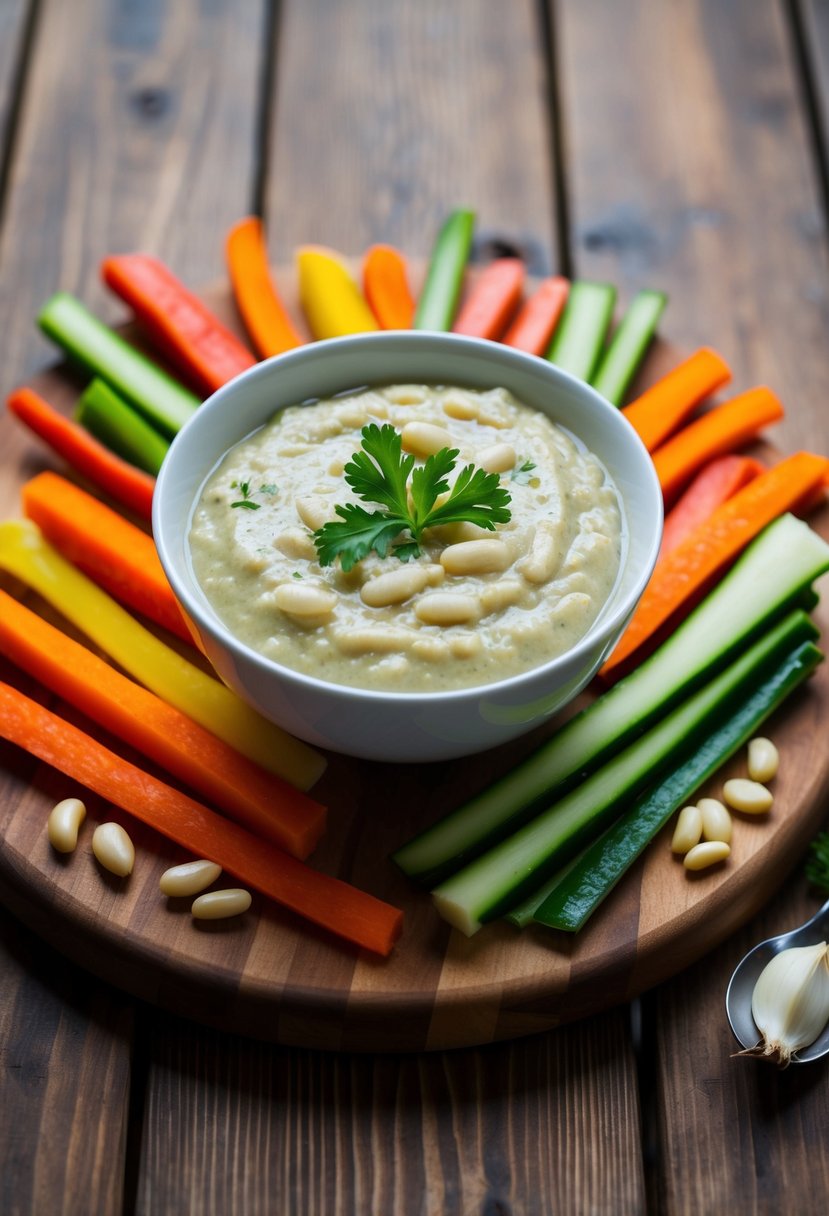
<point>14,18</point>
<point>423,107</point>
<point>545,1125</point>
<point>717,203</point>
<point>812,25</point>
<point>64,1083</point>
<point>135,118</point>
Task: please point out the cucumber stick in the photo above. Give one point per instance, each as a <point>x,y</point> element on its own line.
<point>581,332</point>
<point>780,564</point>
<point>620,362</point>
<point>107,416</point>
<point>102,352</point>
<point>499,879</point>
<point>575,895</point>
<point>438,300</point>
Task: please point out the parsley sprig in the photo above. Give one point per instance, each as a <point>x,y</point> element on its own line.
<point>817,867</point>
<point>380,473</point>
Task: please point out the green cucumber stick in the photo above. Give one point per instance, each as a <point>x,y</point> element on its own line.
<point>623,357</point>
<point>572,897</point>
<point>438,301</point>
<point>110,418</point>
<point>579,338</point>
<point>102,352</point>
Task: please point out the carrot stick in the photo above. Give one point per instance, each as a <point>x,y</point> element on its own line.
<point>720,430</point>
<point>180,324</point>
<point>666,404</point>
<point>334,905</point>
<point>713,485</point>
<point>687,570</point>
<point>266,804</point>
<point>266,319</point>
<point>492,300</point>
<point>386,287</point>
<point>107,547</point>
<point>128,485</point>
<point>25,554</point>
<point>533,328</point>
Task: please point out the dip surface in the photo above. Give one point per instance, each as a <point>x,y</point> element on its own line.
<point>475,607</point>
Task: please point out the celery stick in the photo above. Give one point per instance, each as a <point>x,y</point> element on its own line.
<point>438,301</point>
<point>102,352</point>
<point>111,419</point>
<point>579,338</point>
<point>620,362</point>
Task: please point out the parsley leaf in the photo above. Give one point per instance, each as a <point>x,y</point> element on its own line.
<point>245,501</point>
<point>379,473</point>
<point>523,474</point>
<point>817,867</point>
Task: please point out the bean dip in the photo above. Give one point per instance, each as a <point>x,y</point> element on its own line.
<point>477,606</point>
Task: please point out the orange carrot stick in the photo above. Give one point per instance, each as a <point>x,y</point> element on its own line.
<point>688,569</point>
<point>718,481</point>
<point>720,430</point>
<point>266,319</point>
<point>534,326</point>
<point>180,324</point>
<point>386,287</point>
<point>665,405</point>
<point>335,905</point>
<point>112,551</point>
<point>266,804</point>
<point>492,300</point>
<point>125,483</point>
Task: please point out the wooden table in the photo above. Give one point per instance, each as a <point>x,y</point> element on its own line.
<point>676,145</point>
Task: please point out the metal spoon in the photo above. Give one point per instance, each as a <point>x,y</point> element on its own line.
<point>741,987</point>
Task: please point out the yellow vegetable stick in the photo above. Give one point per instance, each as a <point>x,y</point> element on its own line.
<point>331,300</point>
<point>25,554</point>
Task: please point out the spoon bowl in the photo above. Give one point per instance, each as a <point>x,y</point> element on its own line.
<point>747,972</point>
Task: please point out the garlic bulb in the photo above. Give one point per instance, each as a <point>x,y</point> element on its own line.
<point>790,1003</point>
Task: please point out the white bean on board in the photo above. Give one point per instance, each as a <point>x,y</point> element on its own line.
<point>716,821</point>
<point>688,830</point>
<point>219,905</point>
<point>708,853</point>
<point>113,849</point>
<point>189,878</point>
<point>64,824</point>
<point>763,759</point>
<point>747,796</point>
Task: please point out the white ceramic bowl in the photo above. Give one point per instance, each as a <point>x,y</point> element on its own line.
<point>404,726</point>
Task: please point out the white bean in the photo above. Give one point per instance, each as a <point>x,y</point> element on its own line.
<point>394,587</point>
<point>463,408</point>
<point>748,796</point>
<point>465,646</point>
<point>424,439</point>
<point>64,823</point>
<point>763,760</point>
<point>314,512</point>
<point>709,853</point>
<point>495,597</point>
<point>294,542</point>
<point>497,458</point>
<point>218,905</point>
<point>189,878</point>
<point>716,821</point>
<point>372,641</point>
<point>447,608</point>
<point>476,557</point>
<point>113,849</point>
<point>688,830</point>
<point>298,599</point>
<point>545,554</point>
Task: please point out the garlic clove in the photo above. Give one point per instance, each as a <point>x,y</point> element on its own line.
<point>790,1003</point>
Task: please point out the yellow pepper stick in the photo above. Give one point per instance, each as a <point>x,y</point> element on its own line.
<point>331,300</point>
<point>25,554</point>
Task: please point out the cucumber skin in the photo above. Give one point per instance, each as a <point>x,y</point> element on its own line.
<point>577,345</point>
<point>438,301</point>
<point>620,362</point>
<point>512,799</point>
<point>113,421</point>
<point>580,891</point>
<point>513,869</point>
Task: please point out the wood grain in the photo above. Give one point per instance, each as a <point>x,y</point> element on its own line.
<point>14,18</point>
<point>488,1130</point>
<point>387,115</point>
<point>271,977</point>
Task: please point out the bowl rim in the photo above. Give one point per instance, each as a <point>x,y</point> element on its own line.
<point>207,619</point>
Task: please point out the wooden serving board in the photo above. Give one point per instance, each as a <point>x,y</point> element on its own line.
<point>270,976</point>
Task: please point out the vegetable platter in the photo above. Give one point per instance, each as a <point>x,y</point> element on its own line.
<point>269,975</point>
